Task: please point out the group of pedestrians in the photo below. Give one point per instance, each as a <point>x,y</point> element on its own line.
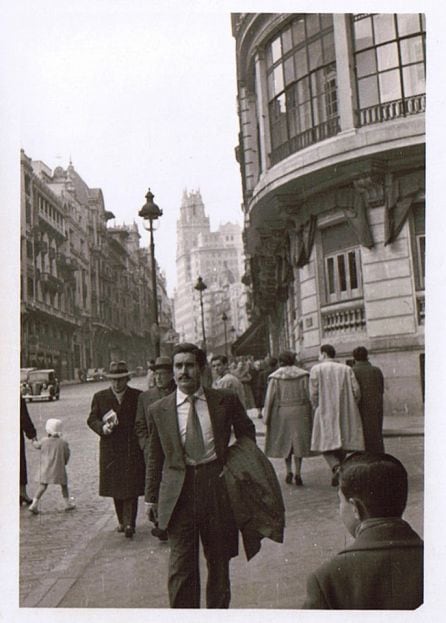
<point>331,410</point>
<point>173,444</point>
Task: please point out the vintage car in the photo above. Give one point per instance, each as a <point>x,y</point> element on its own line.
<point>24,378</point>
<point>95,374</point>
<point>42,385</point>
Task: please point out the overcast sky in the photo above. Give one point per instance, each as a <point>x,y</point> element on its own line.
<point>137,97</point>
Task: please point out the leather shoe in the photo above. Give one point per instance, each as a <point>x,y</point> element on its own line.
<point>24,499</point>
<point>298,481</point>
<point>289,478</point>
<point>129,531</point>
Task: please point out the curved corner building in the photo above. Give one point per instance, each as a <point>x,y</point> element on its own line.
<point>332,158</point>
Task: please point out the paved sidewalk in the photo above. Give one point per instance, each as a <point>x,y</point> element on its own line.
<point>106,570</point>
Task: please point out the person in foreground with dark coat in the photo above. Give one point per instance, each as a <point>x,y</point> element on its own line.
<point>26,428</point>
<point>371,383</point>
<point>383,568</point>
<point>121,461</point>
<point>189,434</point>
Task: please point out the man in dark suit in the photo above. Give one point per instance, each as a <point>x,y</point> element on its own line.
<point>371,383</point>
<point>121,462</point>
<point>383,568</point>
<point>189,437</point>
<point>164,385</point>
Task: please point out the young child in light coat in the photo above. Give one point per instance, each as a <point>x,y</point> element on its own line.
<point>54,456</point>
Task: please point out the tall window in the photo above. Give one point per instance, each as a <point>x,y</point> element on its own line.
<point>301,76</point>
<point>342,263</point>
<point>390,61</point>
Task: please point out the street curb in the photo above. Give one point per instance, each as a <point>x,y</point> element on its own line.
<point>59,581</point>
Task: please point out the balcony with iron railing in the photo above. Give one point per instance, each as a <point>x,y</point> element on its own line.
<point>343,318</point>
<point>395,109</point>
<point>313,135</point>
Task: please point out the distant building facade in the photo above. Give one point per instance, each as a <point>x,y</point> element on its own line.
<point>332,159</point>
<point>86,294</point>
<point>217,257</point>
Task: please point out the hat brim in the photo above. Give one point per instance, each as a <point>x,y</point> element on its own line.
<point>118,375</point>
<point>164,366</point>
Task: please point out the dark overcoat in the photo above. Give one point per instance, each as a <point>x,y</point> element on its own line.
<point>26,428</point>
<point>121,461</point>
<point>371,383</point>
<point>381,570</point>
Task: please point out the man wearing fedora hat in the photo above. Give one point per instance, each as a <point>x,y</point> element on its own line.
<point>121,462</point>
<point>164,385</point>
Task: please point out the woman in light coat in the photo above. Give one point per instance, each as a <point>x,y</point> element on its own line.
<point>287,414</point>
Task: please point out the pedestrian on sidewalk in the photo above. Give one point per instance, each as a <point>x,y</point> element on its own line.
<point>164,385</point>
<point>121,461</point>
<point>337,424</point>
<point>224,379</point>
<point>26,428</point>
<point>189,436</point>
<point>269,366</point>
<point>371,384</point>
<point>383,568</point>
<point>54,455</point>
<point>287,415</point>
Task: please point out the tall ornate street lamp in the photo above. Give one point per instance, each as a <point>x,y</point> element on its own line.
<point>201,287</point>
<point>150,212</point>
<point>225,319</point>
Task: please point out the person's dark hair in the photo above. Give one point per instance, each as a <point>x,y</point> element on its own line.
<point>186,347</point>
<point>272,362</point>
<point>360,353</point>
<point>222,358</point>
<point>378,480</point>
<point>287,358</point>
<point>329,350</point>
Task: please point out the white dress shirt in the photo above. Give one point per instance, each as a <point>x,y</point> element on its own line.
<point>201,406</point>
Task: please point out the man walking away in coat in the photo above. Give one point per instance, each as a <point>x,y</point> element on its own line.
<point>223,379</point>
<point>337,425</point>
<point>189,434</point>
<point>383,568</point>
<point>371,383</point>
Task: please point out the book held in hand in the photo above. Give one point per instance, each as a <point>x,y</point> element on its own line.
<point>110,418</point>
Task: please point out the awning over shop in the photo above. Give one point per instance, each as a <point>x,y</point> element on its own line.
<point>254,341</point>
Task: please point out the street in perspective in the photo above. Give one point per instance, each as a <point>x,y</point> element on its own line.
<point>227,212</point>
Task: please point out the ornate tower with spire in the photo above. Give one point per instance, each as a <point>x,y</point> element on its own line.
<point>192,226</point>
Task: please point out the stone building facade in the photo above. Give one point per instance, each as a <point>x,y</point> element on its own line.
<point>332,159</point>
<point>86,295</point>
<point>217,257</point>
